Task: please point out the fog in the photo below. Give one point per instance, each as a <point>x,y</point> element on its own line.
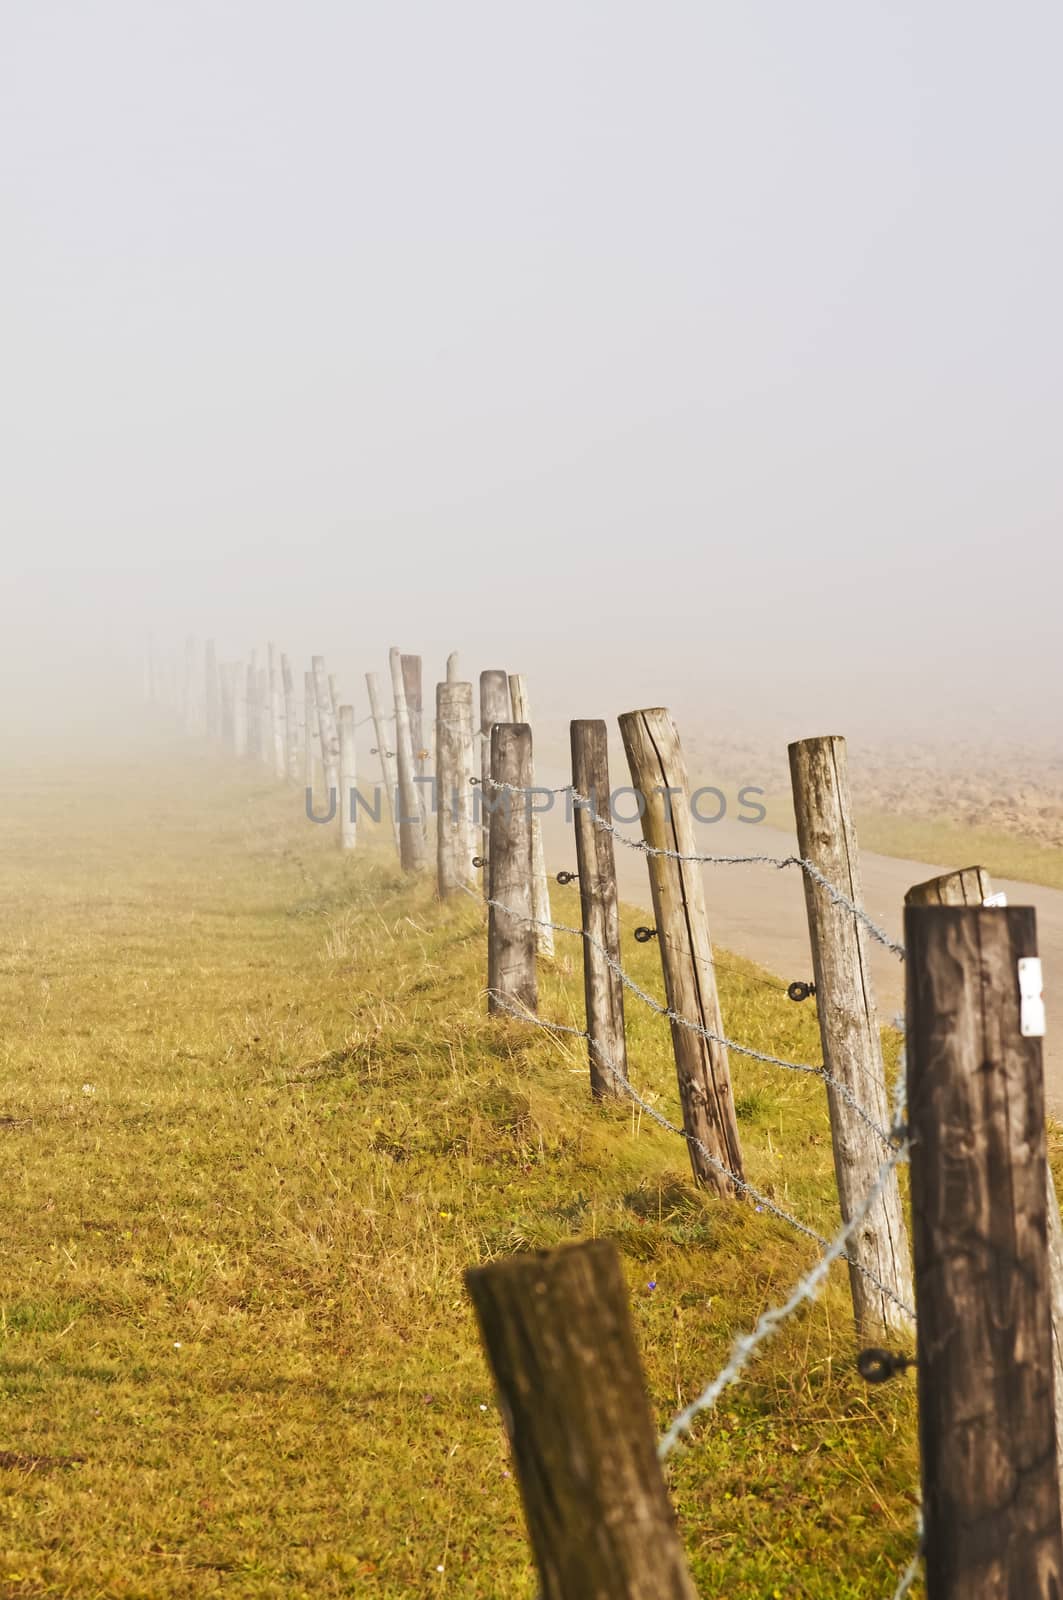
<point>699,354</point>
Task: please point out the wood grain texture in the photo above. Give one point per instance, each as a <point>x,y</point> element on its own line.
<point>657,766</point>
<point>972,886</point>
<point>385,755</point>
<point>848,1027</point>
<point>510,935</point>
<point>411,831</point>
<point>455,767</point>
<point>544,936</point>
<point>558,1335</point>
<point>984,1336</point>
<point>603,991</point>
<point>494,707</point>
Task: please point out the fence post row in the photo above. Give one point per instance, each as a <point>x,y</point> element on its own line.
<point>558,1336</point>
<point>973,886</point>
<point>494,707</point>
<point>852,1048</point>
<point>658,773</point>
<point>411,833</point>
<point>544,935</point>
<point>984,1331</point>
<point>511,972</point>
<point>599,908</point>
<point>455,827</point>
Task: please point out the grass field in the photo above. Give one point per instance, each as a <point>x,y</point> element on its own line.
<point>254,1126</point>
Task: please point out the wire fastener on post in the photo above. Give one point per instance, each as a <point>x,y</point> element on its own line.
<point>644,935</point>
<point>567,877</point>
<point>799,991</point>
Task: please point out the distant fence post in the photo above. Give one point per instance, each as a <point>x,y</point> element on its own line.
<point>310,733</point>
<point>188,694</point>
<point>453,668</point>
<point>291,721</point>
<point>544,935</point>
<point>348,778</point>
<point>455,829</point>
<point>239,709</point>
<point>848,1028</point>
<point>984,1331</point>
<point>658,773</point>
<point>227,711</point>
<point>211,689</point>
<point>599,908</point>
<point>277,715</point>
<point>387,755</point>
<point>972,886</point>
<point>251,707</point>
<point>511,973</point>
<point>494,707</point>
<point>265,721</point>
<point>558,1335</point>
<point>411,832</point>
<point>411,682</point>
<point>330,745</point>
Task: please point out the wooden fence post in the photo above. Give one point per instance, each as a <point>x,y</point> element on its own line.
<point>411,833</point>
<point>557,1332</point>
<point>226,695</point>
<point>972,887</point>
<point>291,721</point>
<point>348,778</point>
<point>658,773</point>
<point>455,829</point>
<point>330,745</point>
<point>334,698</point>
<point>212,691</point>
<point>511,978</point>
<point>251,708</point>
<point>265,722</point>
<point>984,1331</point>
<point>494,707</point>
<point>276,715</point>
<point>848,1029</point>
<point>453,668</point>
<point>544,935</point>
<point>411,682</point>
<point>310,732</point>
<point>387,756</point>
<point>599,908</point>
<point>239,709</point>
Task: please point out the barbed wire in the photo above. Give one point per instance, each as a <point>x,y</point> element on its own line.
<point>811,1069</point>
<point>837,896</point>
<point>741,1184</point>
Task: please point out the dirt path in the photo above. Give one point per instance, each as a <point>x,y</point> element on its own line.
<point>759,912</point>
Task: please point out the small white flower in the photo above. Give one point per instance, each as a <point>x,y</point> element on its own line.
<point>88,1088</point>
<point>483,1408</point>
<point>177,1344</point>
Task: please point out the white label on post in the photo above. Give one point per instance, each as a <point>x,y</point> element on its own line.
<point>999,899</point>
<point>1031,998</point>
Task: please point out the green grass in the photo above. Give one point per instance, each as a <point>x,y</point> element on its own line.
<point>254,1126</point>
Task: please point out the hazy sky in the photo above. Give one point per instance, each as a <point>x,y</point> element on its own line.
<point>688,351</point>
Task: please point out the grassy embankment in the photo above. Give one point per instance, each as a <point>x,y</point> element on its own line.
<point>255,1124</point>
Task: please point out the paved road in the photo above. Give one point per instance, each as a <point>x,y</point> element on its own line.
<point>759,912</point>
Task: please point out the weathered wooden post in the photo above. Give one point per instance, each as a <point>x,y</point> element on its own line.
<point>411,682</point>
<point>455,768</point>
<point>511,979</point>
<point>494,707</point>
<point>659,777</point>
<point>411,833</point>
<point>348,779</point>
<point>972,886</point>
<point>983,1330</point>
<point>311,735</point>
<point>265,720</point>
<point>291,721</point>
<point>212,691</point>
<point>276,715</point>
<point>848,1029</point>
<point>388,771</point>
<point>453,668</point>
<point>599,908</point>
<point>330,744</point>
<point>558,1335</point>
<point>544,934</point>
<point>251,708</point>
